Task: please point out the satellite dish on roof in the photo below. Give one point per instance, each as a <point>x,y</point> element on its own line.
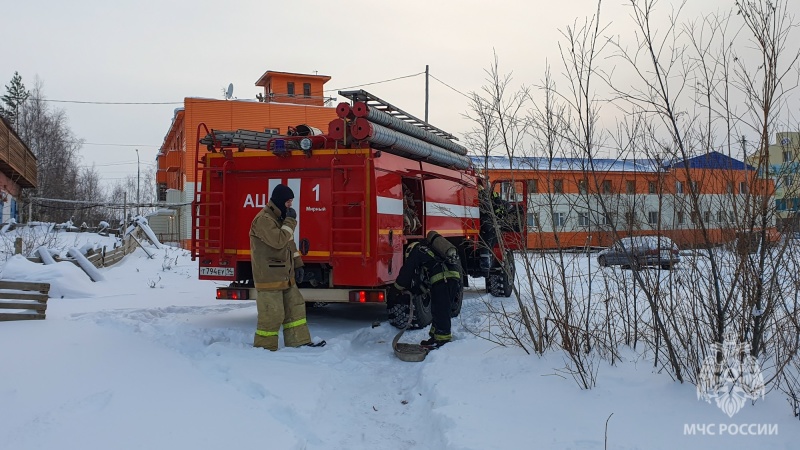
<point>229,92</point>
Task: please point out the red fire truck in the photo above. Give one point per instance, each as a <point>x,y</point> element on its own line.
<point>377,181</point>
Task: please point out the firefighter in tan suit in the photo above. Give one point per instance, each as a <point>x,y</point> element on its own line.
<point>274,258</point>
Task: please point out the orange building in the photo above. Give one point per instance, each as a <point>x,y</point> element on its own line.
<point>572,204</point>
<point>289,99</point>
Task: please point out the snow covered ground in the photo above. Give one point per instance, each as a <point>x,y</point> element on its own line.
<point>148,359</point>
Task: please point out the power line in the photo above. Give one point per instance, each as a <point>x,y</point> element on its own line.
<point>451,87</point>
<point>116,164</point>
<point>121,145</point>
<point>86,102</point>
<point>375,82</point>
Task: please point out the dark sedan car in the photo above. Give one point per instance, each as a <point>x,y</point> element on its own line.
<point>640,251</point>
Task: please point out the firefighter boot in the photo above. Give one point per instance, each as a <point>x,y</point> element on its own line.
<point>432,343</point>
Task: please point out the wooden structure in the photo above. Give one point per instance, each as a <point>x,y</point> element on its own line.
<point>21,300</point>
<point>17,170</point>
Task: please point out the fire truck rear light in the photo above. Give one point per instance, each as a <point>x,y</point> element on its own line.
<point>233,294</point>
<point>367,296</point>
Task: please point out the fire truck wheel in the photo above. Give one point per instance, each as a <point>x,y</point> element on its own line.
<point>398,313</point>
<point>510,275</point>
<point>499,282</point>
<point>494,284</point>
<point>497,285</point>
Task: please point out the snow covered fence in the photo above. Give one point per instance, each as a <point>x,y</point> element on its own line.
<point>90,257</point>
<point>21,300</point>
<point>98,257</point>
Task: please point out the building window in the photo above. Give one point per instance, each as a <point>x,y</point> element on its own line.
<point>290,89</point>
<point>720,216</point>
<point>788,180</point>
<point>630,187</point>
<point>306,90</point>
<point>558,186</point>
<point>730,187</point>
<point>606,186</point>
<point>730,217</point>
<point>583,219</point>
<point>678,187</point>
<point>653,218</point>
<point>787,156</point>
<point>681,218</point>
<point>695,187</point>
<point>533,219</point>
<point>559,219</point>
<point>583,186</point>
<point>533,186</point>
<point>743,189</point>
<point>651,187</point>
<point>630,218</point>
<point>707,217</point>
<point>695,217</point>
<point>607,219</point>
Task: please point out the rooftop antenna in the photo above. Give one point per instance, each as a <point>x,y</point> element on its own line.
<point>229,92</point>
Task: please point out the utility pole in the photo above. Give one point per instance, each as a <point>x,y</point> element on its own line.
<point>426,93</point>
<point>138,178</point>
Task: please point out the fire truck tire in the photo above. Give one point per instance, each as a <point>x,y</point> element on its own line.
<point>500,283</point>
<point>398,313</point>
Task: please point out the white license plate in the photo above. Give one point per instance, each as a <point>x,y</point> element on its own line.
<point>216,271</point>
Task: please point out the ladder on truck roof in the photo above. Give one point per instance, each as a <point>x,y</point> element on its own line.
<point>382,105</point>
<point>348,209</point>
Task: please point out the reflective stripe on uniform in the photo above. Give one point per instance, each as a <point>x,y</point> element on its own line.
<point>266,333</point>
<point>296,255</point>
<point>288,228</point>
<point>446,274</point>
<point>439,337</point>
<point>294,324</point>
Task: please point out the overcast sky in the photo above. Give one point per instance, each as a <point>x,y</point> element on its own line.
<point>163,51</point>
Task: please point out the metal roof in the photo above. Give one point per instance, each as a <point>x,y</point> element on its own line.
<point>711,160</point>
<point>568,164</point>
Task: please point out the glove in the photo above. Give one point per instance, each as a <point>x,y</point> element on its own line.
<point>299,274</point>
<point>291,213</point>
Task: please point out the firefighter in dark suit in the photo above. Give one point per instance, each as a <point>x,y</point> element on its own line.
<point>428,269</point>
